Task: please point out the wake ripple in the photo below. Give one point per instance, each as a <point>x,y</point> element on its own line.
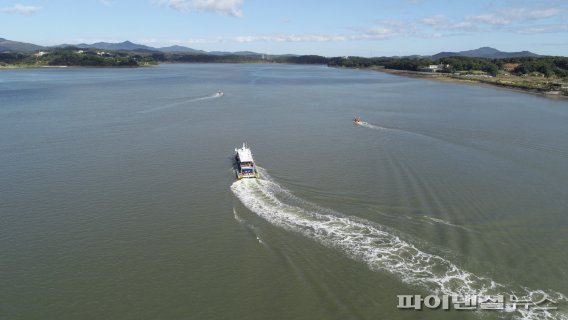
<point>393,130</point>
<point>379,249</point>
<point>250,228</point>
<point>444,222</point>
<point>373,126</point>
<point>175,104</point>
<point>461,135</point>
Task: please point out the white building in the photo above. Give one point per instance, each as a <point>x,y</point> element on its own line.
<point>434,67</point>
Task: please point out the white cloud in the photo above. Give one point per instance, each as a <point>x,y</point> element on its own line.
<point>441,22</point>
<point>383,30</point>
<point>158,42</point>
<point>525,13</point>
<point>291,38</point>
<point>21,9</point>
<point>516,20</point>
<point>491,19</point>
<point>435,21</point>
<point>179,5</point>
<point>199,41</point>
<point>226,7</point>
<point>513,15</point>
<point>549,28</point>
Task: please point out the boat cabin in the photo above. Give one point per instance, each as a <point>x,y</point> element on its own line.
<point>245,167</point>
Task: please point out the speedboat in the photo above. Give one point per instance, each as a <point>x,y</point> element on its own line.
<point>245,166</point>
<point>357,120</point>
<point>219,93</point>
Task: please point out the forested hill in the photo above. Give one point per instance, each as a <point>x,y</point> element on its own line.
<point>72,56</point>
<point>484,52</point>
<point>547,66</point>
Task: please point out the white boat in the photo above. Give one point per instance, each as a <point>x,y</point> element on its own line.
<point>245,166</point>
<point>219,93</point>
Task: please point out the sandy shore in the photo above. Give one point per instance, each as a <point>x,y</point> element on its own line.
<point>472,81</point>
<point>30,67</point>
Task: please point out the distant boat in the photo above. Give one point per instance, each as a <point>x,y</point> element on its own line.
<point>245,166</point>
<point>357,120</point>
<point>219,93</point>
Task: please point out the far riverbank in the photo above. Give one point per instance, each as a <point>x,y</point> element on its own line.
<point>534,85</point>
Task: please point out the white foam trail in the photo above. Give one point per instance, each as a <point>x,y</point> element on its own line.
<point>213,96</point>
<point>380,250</point>
<point>374,127</point>
<point>175,104</point>
<point>397,130</point>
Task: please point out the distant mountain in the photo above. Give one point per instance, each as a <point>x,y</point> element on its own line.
<point>247,53</point>
<point>237,53</point>
<point>129,46</point>
<point>180,49</point>
<point>485,52</point>
<point>125,46</point>
<point>15,46</point>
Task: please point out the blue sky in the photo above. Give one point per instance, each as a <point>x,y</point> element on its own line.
<point>330,28</point>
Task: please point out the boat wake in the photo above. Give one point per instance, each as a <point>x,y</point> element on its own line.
<point>370,243</point>
<point>212,96</point>
<point>372,126</point>
<point>175,104</point>
<point>444,222</point>
<point>249,227</point>
<point>399,131</point>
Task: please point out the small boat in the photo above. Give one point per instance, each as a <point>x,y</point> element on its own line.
<point>219,93</point>
<point>245,166</point>
<point>357,120</point>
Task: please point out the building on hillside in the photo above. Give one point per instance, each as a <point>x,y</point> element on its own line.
<point>434,67</point>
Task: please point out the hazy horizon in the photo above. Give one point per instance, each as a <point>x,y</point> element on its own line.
<point>336,28</point>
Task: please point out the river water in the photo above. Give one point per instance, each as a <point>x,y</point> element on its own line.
<point>118,199</point>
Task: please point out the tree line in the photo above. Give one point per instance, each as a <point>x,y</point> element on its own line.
<point>76,57</point>
<point>547,66</point>
<point>70,56</point>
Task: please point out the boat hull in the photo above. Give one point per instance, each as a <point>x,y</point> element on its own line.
<point>240,175</point>
<point>245,172</point>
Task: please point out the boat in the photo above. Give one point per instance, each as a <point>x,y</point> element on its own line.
<point>219,93</point>
<point>245,166</point>
<point>357,120</point>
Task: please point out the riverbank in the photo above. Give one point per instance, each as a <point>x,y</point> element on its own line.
<point>12,67</point>
<point>528,84</point>
<point>29,67</point>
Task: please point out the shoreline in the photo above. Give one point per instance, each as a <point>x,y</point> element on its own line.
<point>70,67</point>
<point>32,67</point>
<point>476,81</point>
<point>15,67</point>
